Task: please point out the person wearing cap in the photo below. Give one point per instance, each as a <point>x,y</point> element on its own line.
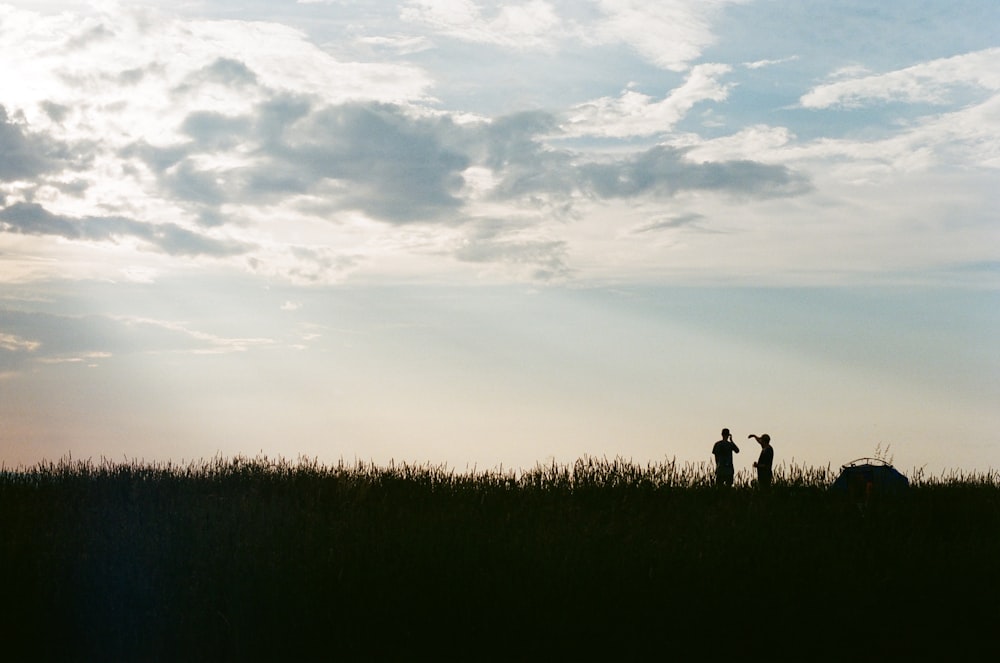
<point>723,451</point>
<point>764,463</point>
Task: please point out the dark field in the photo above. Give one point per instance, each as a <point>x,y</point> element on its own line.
<point>263,560</point>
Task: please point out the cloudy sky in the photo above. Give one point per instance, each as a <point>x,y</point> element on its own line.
<point>473,233</point>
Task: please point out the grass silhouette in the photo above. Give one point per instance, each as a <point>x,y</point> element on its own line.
<point>261,559</point>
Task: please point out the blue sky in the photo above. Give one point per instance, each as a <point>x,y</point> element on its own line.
<point>478,233</point>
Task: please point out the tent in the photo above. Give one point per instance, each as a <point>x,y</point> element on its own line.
<point>865,477</point>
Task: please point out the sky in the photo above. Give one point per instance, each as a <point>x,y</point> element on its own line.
<point>491,235</point>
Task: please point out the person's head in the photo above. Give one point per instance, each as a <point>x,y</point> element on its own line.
<point>725,433</point>
<point>764,439</point>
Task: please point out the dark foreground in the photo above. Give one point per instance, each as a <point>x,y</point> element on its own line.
<point>255,560</point>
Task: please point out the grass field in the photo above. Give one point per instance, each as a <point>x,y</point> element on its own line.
<point>257,559</point>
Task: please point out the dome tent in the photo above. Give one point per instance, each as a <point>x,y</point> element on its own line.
<point>864,477</point>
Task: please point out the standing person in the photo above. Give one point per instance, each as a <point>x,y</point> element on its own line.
<point>723,451</point>
<point>765,461</point>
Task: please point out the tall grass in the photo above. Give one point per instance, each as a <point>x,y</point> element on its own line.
<point>273,559</point>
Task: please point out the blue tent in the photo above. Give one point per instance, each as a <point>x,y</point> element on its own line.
<point>865,477</point>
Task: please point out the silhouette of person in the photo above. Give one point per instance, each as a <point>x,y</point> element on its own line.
<point>723,451</point>
<point>765,461</point>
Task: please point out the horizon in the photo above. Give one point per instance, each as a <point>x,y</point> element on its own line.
<point>487,234</point>
<point>796,474</point>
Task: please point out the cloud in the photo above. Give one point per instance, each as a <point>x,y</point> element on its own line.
<point>397,166</point>
<point>931,82</point>
<point>25,155</point>
<point>513,148</point>
<point>89,35</point>
<point>659,172</point>
<point>763,141</point>
<point>58,338</point>
<point>237,54</point>
<point>669,33</point>
<point>760,64</point>
<point>49,337</point>
<point>371,157</point>
<point>399,44</point>
<point>494,241</point>
<point>317,265</point>
<point>514,140</point>
<point>193,340</point>
<point>30,336</point>
<point>663,171</point>
<point>223,71</point>
<point>636,114</point>
<point>545,259</point>
<point>14,343</point>
<point>689,220</point>
<point>169,238</point>
<point>527,25</point>
<point>56,112</point>
<point>967,137</point>
<point>126,72</point>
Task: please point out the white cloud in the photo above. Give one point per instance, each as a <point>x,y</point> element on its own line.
<point>758,141</point>
<point>760,64</point>
<point>128,73</point>
<point>14,343</point>
<point>401,44</point>
<point>929,82</point>
<point>669,33</point>
<point>965,138</point>
<point>108,105</point>
<point>528,25</point>
<point>637,114</point>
